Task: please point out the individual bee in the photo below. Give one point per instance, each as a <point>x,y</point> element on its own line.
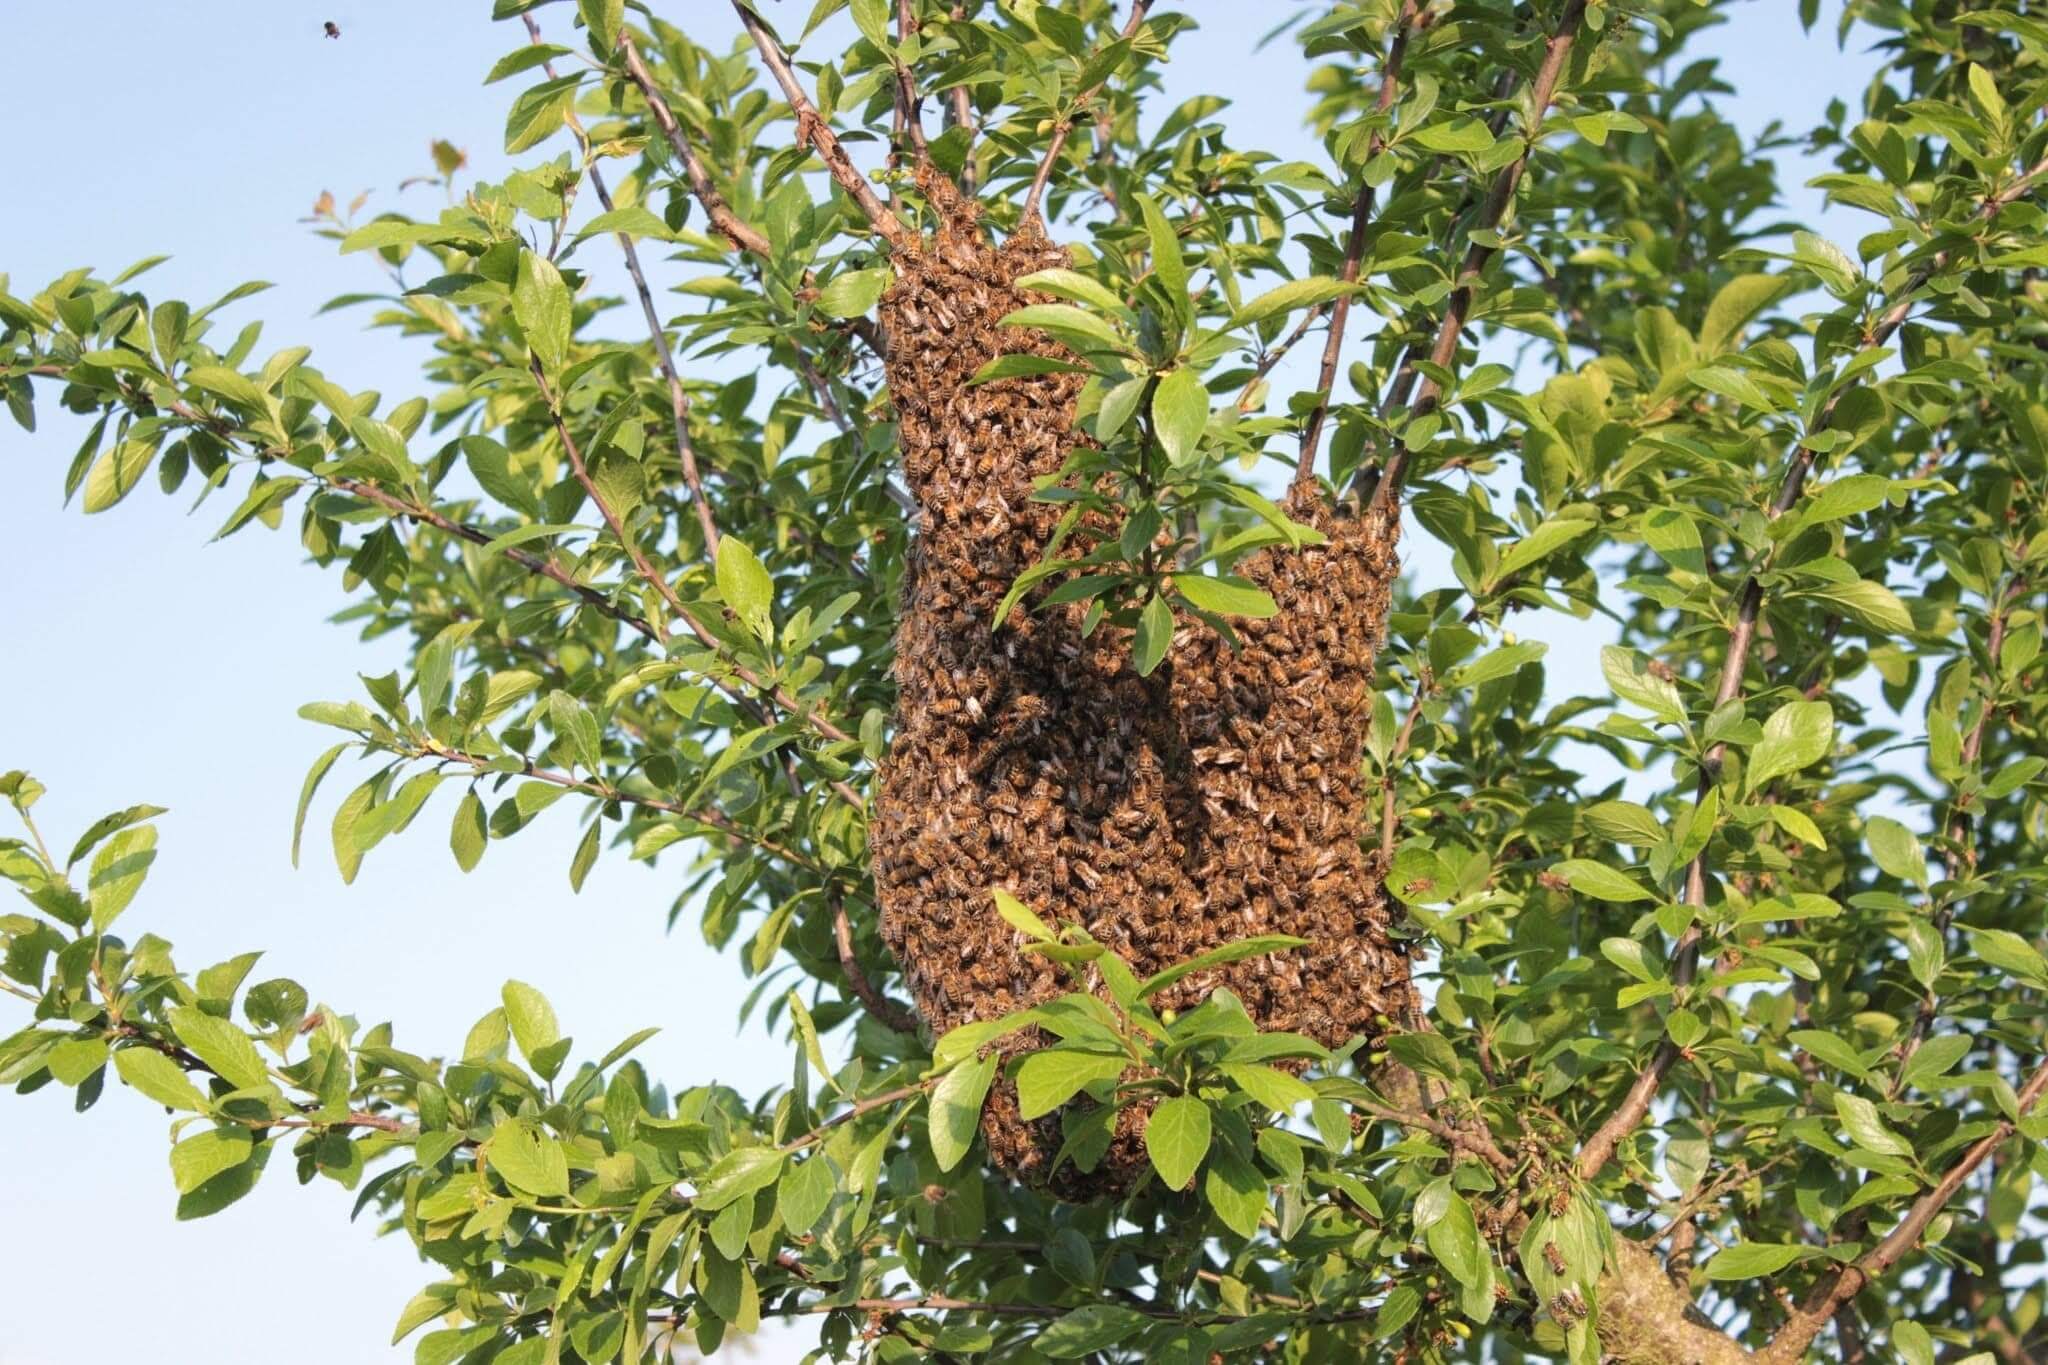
<point>331,29</point>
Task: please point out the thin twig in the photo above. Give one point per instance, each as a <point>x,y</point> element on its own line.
<point>960,114</point>
<point>1354,252</point>
<point>1952,857</point>
<point>885,1010</point>
<point>812,131</point>
<point>1806,1323</point>
<point>679,402</point>
<point>655,579</point>
<point>1636,1103</point>
<point>1478,253</point>
<point>742,235</point>
<point>1065,124</point>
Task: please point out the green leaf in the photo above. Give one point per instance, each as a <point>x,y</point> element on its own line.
<point>225,1049</point>
<point>1868,602</point>
<point>1459,133</point>
<point>1226,596</point>
<point>470,831</point>
<point>602,18</point>
<point>1798,735</point>
<point>1166,249</point>
<point>1601,881</point>
<point>159,1078</point>
<point>1269,1085</point>
<point>115,473</point>
<point>1020,364</point>
<point>1538,544</point>
<point>956,1109</point>
<point>206,1154</point>
<point>1866,1129</point>
<point>746,586</point>
<point>1177,1138</point>
<point>1933,1059</point>
<point>1896,850</point>
<point>108,824</point>
<point>538,112</point>
<point>2009,953</point>
<point>1081,330</point>
<point>805,1191</point>
<point>541,306</point>
<point>532,1019</point>
<point>1256,946</point>
<point>1086,1330</point>
<point>1633,681</point>
<point>1750,1260</point>
<point>738,1174</point>
<point>1020,916</point>
<point>1453,1239</point>
<point>1050,1077</point>
<point>853,293</point>
<point>529,1158</point>
<point>1285,298</point>
<point>1737,303</point>
<point>576,725</point>
<point>1154,636</point>
<point>230,384</point>
<point>1072,285</point>
<point>306,790</point>
<point>1180,411</point>
<point>1236,1191</point>
<point>74,1059</point>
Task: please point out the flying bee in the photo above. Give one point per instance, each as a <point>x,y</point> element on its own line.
<point>331,29</point>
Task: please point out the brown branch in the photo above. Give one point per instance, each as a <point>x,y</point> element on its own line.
<point>1065,124</point>
<point>427,516</point>
<point>866,1106</point>
<point>885,1010</point>
<point>1636,1103</point>
<point>1473,1139</point>
<point>1790,1344</point>
<point>1354,251</point>
<point>604,791</point>
<point>960,114</point>
<point>1478,254</point>
<point>653,576</point>
<point>909,103</point>
<point>679,402</point>
<point>812,131</point>
<point>742,235</point>
<point>1388,825</point>
<point>1958,832</point>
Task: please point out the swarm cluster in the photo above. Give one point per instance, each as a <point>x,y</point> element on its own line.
<point>1218,799</point>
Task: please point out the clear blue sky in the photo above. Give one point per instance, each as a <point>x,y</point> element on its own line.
<point>144,664</point>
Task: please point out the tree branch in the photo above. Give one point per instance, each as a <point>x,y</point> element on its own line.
<point>653,576</point>
<point>812,131</point>
<point>1478,254</point>
<point>885,1010</point>
<point>1065,125</point>
<point>1635,1104</point>
<point>679,402</point>
<point>1354,250</point>
<point>742,235</point>
<point>1805,1324</point>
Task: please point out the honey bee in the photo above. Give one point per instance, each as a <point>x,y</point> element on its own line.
<point>331,29</point>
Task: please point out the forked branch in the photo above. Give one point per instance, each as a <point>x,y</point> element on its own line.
<point>1445,348</point>
<point>813,132</point>
<point>1065,125</point>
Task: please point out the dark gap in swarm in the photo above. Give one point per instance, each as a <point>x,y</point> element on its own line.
<point>1219,799</point>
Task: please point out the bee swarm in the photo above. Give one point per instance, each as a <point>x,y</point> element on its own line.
<point>1218,799</point>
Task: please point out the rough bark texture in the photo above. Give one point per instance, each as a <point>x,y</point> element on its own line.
<point>1218,799</point>
<point>1645,1319</point>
